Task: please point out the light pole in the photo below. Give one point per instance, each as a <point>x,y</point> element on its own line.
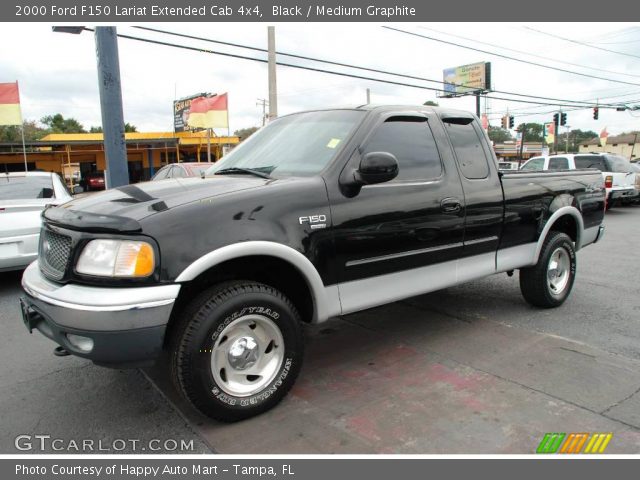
<point>115,148</point>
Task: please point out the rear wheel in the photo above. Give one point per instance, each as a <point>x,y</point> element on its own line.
<point>549,282</point>
<point>237,350</point>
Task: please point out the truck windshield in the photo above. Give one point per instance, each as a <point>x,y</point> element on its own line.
<point>296,145</point>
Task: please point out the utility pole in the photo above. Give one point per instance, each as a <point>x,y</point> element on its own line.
<point>111,106</point>
<point>478,105</point>
<point>368,96</point>
<point>262,102</point>
<point>273,88</point>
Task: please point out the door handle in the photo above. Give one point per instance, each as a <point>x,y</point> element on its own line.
<point>450,205</point>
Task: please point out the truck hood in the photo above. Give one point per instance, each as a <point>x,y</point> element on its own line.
<point>120,209</point>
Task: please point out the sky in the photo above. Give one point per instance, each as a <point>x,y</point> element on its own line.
<point>57,71</point>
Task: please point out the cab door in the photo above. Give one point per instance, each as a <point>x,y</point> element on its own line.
<point>406,224</point>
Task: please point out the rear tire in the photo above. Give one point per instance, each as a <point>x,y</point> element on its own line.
<point>237,350</point>
<point>549,282</point>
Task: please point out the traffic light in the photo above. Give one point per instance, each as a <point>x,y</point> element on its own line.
<point>504,122</point>
<point>595,113</point>
<point>511,121</point>
<point>563,119</point>
<point>556,118</point>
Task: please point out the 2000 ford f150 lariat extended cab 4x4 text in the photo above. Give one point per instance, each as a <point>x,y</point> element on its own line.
<point>319,214</point>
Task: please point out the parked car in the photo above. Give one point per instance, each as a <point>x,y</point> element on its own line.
<point>635,167</point>
<point>508,166</point>
<point>93,181</point>
<point>23,196</point>
<point>181,170</point>
<point>617,173</point>
<point>319,214</point>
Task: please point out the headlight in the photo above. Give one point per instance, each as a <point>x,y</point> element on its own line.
<point>116,258</point>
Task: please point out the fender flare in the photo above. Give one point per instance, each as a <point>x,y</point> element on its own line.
<point>326,302</point>
<point>561,212</point>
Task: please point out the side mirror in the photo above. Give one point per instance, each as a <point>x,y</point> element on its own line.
<point>376,167</point>
<point>77,189</point>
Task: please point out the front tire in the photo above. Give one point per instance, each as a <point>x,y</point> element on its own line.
<point>549,282</point>
<point>238,350</point>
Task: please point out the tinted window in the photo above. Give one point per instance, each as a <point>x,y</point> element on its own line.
<point>468,147</point>
<point>558,163</point>
<point>411,141</point>
<point>590,161</point>
<point>618,164</point>
<point>534,164</point>
<point>21,188</point>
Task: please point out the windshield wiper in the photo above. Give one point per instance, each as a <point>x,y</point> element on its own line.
<point>257,173</point>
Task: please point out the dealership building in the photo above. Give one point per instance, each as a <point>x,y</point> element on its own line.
<point>84,152</point>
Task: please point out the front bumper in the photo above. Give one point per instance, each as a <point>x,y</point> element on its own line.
<point>124,326</point>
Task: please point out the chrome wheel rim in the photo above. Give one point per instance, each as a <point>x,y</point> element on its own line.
<point>247,355</point>
<point>558,271</point>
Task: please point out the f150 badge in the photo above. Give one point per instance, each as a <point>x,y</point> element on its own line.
<point>314,221</point>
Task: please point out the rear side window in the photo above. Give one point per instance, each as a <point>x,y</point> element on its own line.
<point>469,151</point>
<point>23,188</point>
<point>410,140</point>
<point>618,164</point>
<point>534,164</point>
<point>558,163</point>
<point>590,161</point>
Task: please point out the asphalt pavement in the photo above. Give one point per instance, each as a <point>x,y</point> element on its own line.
<point>470,369</point>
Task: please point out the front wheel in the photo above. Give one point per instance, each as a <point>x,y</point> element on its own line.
<point>237,350</point>
<point>548,283</point>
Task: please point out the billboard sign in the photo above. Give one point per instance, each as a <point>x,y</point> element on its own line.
<point>472,78</point>
<point>181,110</point>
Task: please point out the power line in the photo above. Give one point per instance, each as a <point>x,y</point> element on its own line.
<point>320,70</point>
<point>581,43</point>
<point>331,62</point>
<point>508,57</point>
<point>530,54</point>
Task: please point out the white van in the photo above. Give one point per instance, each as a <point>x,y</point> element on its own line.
<point>619,176</point>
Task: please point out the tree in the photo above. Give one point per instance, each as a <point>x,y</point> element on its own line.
<point>499,135</point>
<point>58,124</point>
<point>430,103</point>
<point>32,131</point>
<point>533,132</point>
<point>245,133</point>
<point>128,128</point>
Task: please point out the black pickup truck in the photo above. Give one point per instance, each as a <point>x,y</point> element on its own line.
<point>319,214</point>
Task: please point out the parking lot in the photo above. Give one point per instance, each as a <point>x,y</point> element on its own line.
<point>470,369</point>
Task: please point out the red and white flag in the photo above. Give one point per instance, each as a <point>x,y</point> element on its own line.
<point>603,137</point>
<point>209,112</point>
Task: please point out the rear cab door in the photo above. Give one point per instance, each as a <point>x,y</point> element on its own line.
<point>483,198</point>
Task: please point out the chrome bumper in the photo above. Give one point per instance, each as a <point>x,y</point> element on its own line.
<point>126,325</point>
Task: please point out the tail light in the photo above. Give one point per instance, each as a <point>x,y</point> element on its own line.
<point>608,181</point>
<point>637,180</point>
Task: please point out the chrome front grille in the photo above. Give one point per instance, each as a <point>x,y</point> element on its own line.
<point>54,254</point>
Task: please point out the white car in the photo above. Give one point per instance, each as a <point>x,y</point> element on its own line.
<point>617,172</point>
<point>23,196</point>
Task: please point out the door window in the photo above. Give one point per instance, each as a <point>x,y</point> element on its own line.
<point>558,163</point>
<point>534,164</point>
<point>467,145</point>
<point>410,140</point>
